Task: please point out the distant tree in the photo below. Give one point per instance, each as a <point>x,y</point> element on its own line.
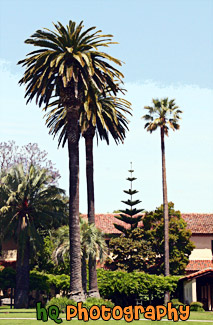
<point>29,154</point>
<point>129,215</point>
<point>28,205</point>
<point>143,248</point>
<point>131,253</point>
<point>164,114</point>
<point>180,246</point>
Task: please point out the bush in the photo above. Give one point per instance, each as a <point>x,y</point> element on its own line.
<point>196,306</point>
<point>98,302</point>
<point>176,303</point>
<point>39,281</point>
<point>7,278</point>
<point>44,282</point>
<point>62,302</point>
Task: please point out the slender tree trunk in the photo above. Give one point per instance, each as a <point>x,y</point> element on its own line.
<point>22,270</point>
<point>165,215</point>
<point>74,226</point>
<point>89,135</point>
<point>84,272</point>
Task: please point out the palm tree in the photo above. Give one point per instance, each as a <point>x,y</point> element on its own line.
<point>66,63</point>
<point>114,122</point>
<point>164,115</point>
<point>92,244</point>
<point>28,205</point>
<point>104,114</point>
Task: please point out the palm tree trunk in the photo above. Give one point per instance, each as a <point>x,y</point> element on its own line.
<point>165,215</point>
<point>89,135</point>
<point>22,275</point>
<point>74,227</point>
<point>84,272</point>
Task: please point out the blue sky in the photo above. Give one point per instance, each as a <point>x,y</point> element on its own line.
<point>167,47</point>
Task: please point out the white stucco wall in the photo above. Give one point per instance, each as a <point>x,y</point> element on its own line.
<point>190,292</point>
<point>203,250</point>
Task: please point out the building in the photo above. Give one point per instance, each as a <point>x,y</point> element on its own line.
<point>198,282</point>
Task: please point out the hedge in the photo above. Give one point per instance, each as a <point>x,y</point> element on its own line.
<point>124,288</point>
<point>119,286</point>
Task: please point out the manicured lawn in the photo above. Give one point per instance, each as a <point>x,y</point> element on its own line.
<point>113,322</point>
<point>30,313</point>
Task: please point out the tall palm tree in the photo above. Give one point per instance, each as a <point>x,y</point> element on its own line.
<point>27,204</point>
<point>66,63</point>
<point>114,122</point>
<point>164,115</point>
<point>92,243</point>
<point>104,114</point>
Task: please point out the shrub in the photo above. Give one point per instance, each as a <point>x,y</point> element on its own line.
<point>7,278</point>
<point>176,303</point>
<point>98,302</point>
<point>62,302</point>
<point>196,306</point>
<point>44,282</point>
<point>38,281</point>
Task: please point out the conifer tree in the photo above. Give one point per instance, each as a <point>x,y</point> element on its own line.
<point>129,215</point>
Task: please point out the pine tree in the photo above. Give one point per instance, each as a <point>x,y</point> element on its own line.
<point>129,215</point>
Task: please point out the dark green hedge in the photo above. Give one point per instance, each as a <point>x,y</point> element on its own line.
<point>124,288</point>
<point>121,287</point>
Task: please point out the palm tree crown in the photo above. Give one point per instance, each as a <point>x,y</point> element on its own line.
<point>106,115</point>
<point>163,114</point>
<point>27,196</point>
<point>92,242</point>
<point>68,59</point>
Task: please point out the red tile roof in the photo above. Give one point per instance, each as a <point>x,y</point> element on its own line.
<point>197,223</point>
<point>195,265</point>
<point>105,222</point>
<point>199,273</point>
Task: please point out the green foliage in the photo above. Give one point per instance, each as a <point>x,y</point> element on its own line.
<point>143,248</point>
<point>124,288</point>
<point>44,282</point>
<point>68,62</point>
<point>29,205</point>
<point>62,302</point>
<point>196,306</point>
<point>98,302</point>
<point>128,215</point>
<point>176,303</point>
<point>7,278</point>
<point>121,287</point>
<point>131,253</point>
<point>41,260</point>
<point>59,282</point>
<point>180,246</point>
<point>164,114</point>
<point>39,281</point>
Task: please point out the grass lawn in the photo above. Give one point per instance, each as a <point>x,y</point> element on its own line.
<point>6,314</point>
